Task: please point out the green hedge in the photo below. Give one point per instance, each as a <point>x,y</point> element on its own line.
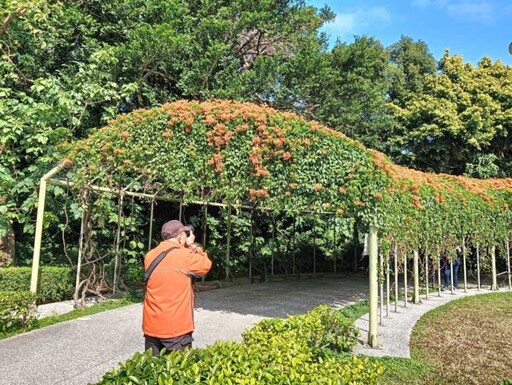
<point>273,352</point>
<point>55,283</point>
<point>16,310</point>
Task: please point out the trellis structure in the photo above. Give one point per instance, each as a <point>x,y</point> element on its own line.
<point>242,155</point>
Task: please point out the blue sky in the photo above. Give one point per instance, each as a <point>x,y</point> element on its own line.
<point>470,28</point>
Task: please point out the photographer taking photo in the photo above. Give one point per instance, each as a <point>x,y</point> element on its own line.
<point>167,315</point>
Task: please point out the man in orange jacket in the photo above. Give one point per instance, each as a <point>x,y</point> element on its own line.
<point>168,312</point>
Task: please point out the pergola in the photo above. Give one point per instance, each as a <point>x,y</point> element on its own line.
<point>280,161</point>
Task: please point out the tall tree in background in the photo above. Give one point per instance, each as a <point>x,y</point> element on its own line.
<point>351,94</point>
<point>410,62</point>
<point>463,114</point>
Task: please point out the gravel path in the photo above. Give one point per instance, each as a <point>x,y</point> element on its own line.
<point>395,331</point>
<point>80,351</point>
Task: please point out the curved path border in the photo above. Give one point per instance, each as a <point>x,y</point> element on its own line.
<point>395,330</point>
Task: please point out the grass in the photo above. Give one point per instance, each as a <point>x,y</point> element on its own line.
<point>467,341</point>
<point>77,313</point>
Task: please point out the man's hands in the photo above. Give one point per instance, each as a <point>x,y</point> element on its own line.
<point>189,241</point>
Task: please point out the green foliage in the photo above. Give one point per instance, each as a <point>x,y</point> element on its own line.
<point>319,329</point>
<point>456,119</point>
<point>16,310</point>
<point>55,283</point>
<point>273,352</point>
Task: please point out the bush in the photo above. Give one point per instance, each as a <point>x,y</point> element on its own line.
<point>55,283</point>
<point>275,351</point>
<point>16,310</point>
<point>321,328</point>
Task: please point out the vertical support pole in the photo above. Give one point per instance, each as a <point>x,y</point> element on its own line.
<point>405,280</point>
<point>387,284</point>
<point>427,281</point>
<point>314,250</point>
<point>373,333</point>
<point>493,262</point>
<point>478,266</point>
<point>335,245</point>
<point>205,225</point>
<point>439,283</point>
<point>464,267</point>
<point>151,214</point>
<point>507,251</point>
<point>451,274</point>
<point>118,241</point>
<point>416,265</point>
<point>39,225</point>
<point>228,245</point>
<point>395,261</point>
<point>180,215</point>
<point>355,240</point>
<point>79,259</point>
<point>381,287</point>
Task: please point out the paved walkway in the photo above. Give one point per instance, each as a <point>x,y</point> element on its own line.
<point>395,331</point>
<point>80,351</point>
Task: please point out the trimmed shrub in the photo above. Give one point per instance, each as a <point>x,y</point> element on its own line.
<point>16,310</point>
<point>55,283</point>
<point>275,351</point>
<point>319,329</point>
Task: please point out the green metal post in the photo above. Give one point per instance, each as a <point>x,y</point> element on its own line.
<point>79,260</point>
<point>373,333</point>
<point>118,241</point>
<point>427,282</point>
<point>39,225</point>
<point>151,213</point>
<point>464,267</point>
<point>507,250</point>
<point>494,275</point>
<point>395,258</point>
<point>478,265</point>
<point>439,283</point>
<point>416,297</point>
<point>228,246</point>
<point>405,280</point>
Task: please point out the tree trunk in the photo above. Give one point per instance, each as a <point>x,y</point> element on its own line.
<point>7,247</point>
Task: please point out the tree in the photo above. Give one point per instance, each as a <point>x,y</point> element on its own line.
<point>350,91</point>
<point>410,62</point>
<point>462,114</point>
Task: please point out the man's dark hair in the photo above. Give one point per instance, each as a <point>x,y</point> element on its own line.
<point>166,236</point>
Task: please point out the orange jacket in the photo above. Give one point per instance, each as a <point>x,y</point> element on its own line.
<point>169,301</point>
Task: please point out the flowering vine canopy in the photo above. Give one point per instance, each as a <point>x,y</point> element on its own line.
<point>244,154</point>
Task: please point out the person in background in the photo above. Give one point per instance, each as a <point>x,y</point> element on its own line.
<point>168,310</point>
<point>445,266</point>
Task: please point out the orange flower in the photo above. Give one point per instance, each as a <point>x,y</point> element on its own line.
<point>359,203</point>
<point>287,156</point>
<point>378,196</point>
<point>318,187</point>
<point>125,134</point>
<point>342,190</point>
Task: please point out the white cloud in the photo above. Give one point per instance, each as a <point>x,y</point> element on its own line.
<point>348,24</point>
<point>482,11</point>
